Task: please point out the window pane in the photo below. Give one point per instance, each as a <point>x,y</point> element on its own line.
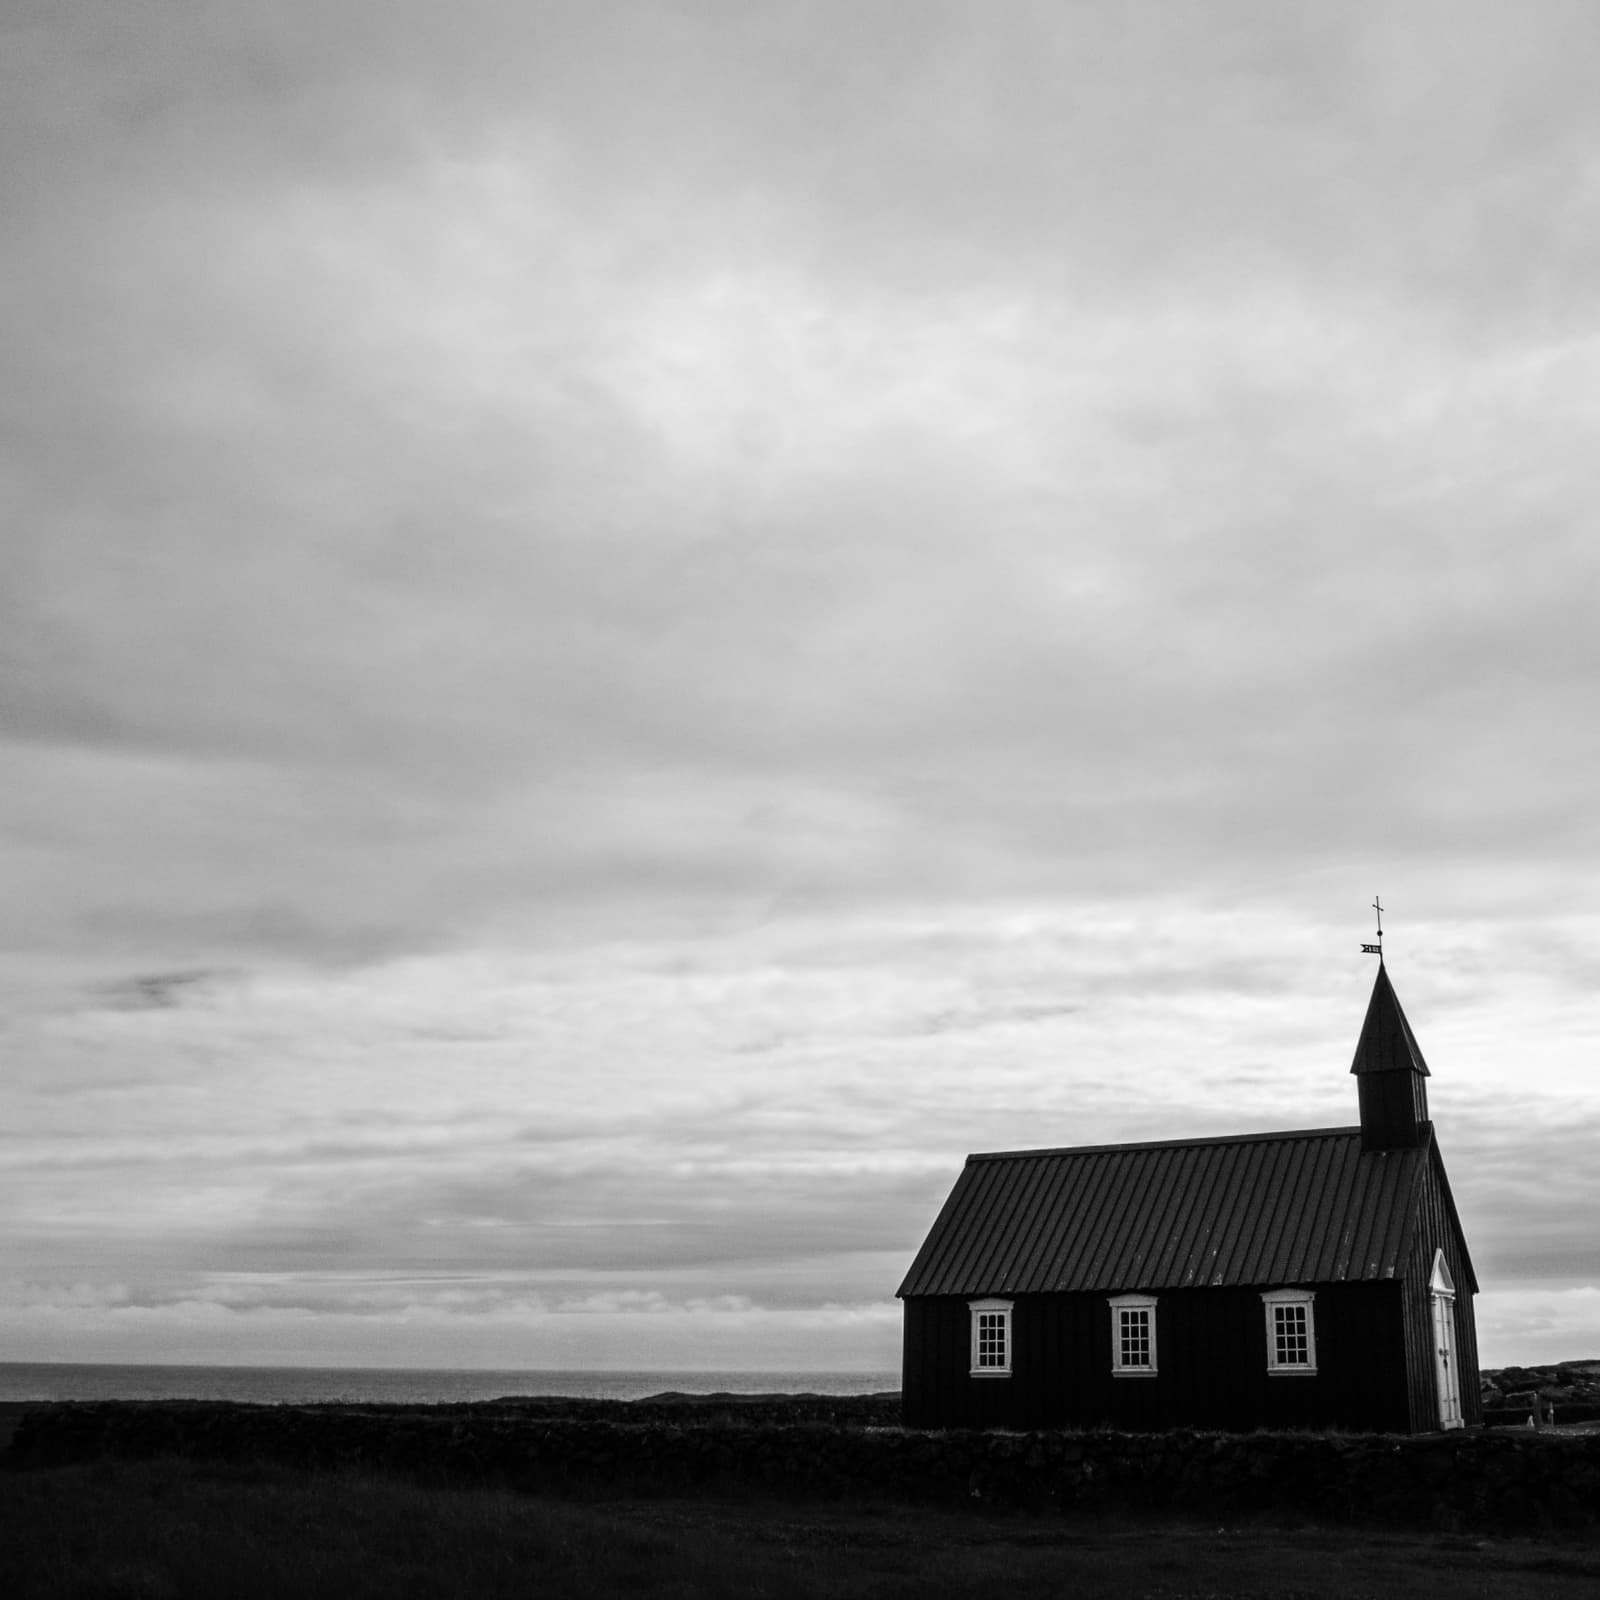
<point>1134,1338</point>
<point>1292,1345</point>
<point>991,1338</point>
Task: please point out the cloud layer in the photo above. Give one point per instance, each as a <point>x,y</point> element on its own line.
<point>623,630</point>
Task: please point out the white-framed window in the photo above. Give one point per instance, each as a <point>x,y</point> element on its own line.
<point>1291,1331</point>
<point>1133,1335</point>
<point>991,1338</point>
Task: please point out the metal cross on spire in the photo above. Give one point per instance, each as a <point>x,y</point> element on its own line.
<point>1376,949</point>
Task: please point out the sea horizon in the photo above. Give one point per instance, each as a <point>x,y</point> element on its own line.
<point>47,1381</point>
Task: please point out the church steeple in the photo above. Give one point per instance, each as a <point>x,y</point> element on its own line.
<point>1390,1073</point>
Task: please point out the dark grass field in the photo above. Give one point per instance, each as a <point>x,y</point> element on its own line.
<point>10,1414</point>
<point>160,1530</point>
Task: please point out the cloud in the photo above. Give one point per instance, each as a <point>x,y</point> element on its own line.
<point>1523,1328</point>
<point>153,991</point>
<point>568,1161</point>
<point>721,1335</point>
<point>622,631</point>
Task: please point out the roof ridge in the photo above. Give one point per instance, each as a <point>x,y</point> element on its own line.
<point>1167,1144</point>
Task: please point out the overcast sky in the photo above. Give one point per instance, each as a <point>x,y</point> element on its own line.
<point>624,629</point>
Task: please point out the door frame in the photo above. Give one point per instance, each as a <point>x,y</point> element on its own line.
<point>1442,1323</point>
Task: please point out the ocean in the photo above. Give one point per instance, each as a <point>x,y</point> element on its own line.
<point>25,1380</point>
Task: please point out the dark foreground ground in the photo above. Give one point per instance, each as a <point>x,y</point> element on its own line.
<point>169,1529</point>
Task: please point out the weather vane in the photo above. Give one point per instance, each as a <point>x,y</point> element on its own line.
<point>1376,949</point>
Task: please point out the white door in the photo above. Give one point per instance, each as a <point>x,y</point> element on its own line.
<point>1443,1301</point>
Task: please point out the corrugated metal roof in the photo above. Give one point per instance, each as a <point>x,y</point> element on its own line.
<point>1274,1208</point>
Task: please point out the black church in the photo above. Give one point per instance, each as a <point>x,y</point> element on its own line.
<point>1283,1280</point>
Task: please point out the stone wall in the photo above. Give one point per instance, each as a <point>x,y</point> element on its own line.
<point>1506,1480</point>
<point>1568,1389</point>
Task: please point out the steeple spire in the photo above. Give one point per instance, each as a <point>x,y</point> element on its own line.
<point>1390,1073</point>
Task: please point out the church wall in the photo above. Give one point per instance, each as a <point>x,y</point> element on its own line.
<point>1211,1364</point>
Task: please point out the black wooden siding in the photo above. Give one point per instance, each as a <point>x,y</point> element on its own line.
<point>1211,1351</point>
<point>1394,1110</point>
